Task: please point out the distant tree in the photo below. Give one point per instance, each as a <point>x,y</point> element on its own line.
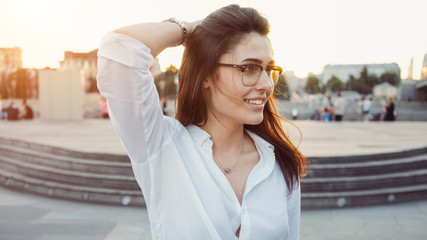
<point>172,68</point>
<point>20,78</point>
<point>168,78</point>
<point>364,83</point>
<point>312,85</point>
<point>390,77</point>
<point>281,90</point>
<point>364,76</point>
<point>372,81</point>
<point>351,84</point>
<point>335,84</point>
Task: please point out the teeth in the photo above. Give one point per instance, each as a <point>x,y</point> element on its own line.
<point>253,101</point>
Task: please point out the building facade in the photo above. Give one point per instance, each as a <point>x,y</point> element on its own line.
<point>86,63</point>
<point>10,61</point>
<point>344,71</point>
<point>412,90</point>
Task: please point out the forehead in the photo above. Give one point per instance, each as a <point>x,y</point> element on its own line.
<point>254,46</point>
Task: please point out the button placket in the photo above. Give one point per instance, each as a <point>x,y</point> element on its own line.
<point>244,222</point>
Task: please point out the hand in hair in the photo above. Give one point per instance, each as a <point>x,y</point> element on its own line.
<point>190,27</point>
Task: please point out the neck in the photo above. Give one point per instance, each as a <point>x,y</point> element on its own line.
<point>227,137</point>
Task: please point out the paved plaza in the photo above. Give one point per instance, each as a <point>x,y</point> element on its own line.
<point>25,216</point>
<point>318,138</point>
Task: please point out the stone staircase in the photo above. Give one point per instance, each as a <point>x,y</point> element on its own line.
<point>335,182</point>
<point>332,182</point>
<point>66,174</point>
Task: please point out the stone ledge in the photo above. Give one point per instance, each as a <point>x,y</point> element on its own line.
<point>62,151</point>
<point>363,198</point>
<point>69,192</point>
<point>364,182</point>
<point>69,177</point>
<point>65,162</point>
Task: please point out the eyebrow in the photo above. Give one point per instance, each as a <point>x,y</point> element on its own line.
<point>256,60</point>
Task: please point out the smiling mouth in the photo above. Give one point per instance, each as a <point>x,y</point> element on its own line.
<point>255,101</point>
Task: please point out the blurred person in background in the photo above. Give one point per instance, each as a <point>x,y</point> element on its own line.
<point>104,108</point>
<point>360,108</point>
<point>224,168</point>
<point>389,110</point>
<point>315,106</point>
<point>339,108</point>
<point>12,112</point>
<point>28,111</point>
<point>366,108</point>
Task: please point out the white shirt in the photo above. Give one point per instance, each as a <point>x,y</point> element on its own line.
<point>339,106</point>
<point>187,195</point>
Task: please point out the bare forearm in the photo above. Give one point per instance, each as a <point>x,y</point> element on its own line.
<point>157,36</point>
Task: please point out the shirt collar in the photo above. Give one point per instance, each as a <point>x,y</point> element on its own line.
<point>266,150</point>
<point>260,142</point>
<point>201,137</point>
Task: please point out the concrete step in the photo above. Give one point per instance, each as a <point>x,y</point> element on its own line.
<point>65,162</point>
<point>69,177</point>
<point>363,197</point>
<point>369,157</point>
<point>61,151</point>
<point>106,178</point>
<point>27,184</point>
<point>355,183</point>
<point>368,168</point>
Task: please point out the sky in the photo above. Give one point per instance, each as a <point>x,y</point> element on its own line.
<point>306,34</point>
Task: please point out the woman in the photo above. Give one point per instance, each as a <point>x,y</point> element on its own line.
<point>224,167</point>
<point>389,110</point>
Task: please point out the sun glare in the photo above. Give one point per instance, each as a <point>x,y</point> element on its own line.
<point>34,6</point>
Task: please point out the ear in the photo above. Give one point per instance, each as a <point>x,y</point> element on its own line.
<point>207,83</point>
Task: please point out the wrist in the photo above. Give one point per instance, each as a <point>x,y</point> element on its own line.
<point>184,29</point>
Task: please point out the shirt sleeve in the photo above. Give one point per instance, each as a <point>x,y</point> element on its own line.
<point>294,213</point>
<point>125,81</point>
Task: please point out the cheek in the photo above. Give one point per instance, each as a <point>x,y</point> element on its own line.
<point>226,99</point>
<point>226,102</point>
<point>229,92</point>
<point>270,92</point>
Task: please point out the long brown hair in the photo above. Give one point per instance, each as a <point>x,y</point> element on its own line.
<point>217,34</point>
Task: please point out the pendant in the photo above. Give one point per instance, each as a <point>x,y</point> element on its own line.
<point>227,170</point>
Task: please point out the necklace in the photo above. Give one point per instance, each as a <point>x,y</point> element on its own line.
<point>228,170</point>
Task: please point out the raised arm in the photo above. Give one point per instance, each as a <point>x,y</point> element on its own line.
<point>124,79</point>
<point>159,35</point>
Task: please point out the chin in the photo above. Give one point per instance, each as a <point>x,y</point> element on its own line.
<point>255,120</point>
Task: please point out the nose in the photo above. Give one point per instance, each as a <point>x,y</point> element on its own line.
<point>264,83</point>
